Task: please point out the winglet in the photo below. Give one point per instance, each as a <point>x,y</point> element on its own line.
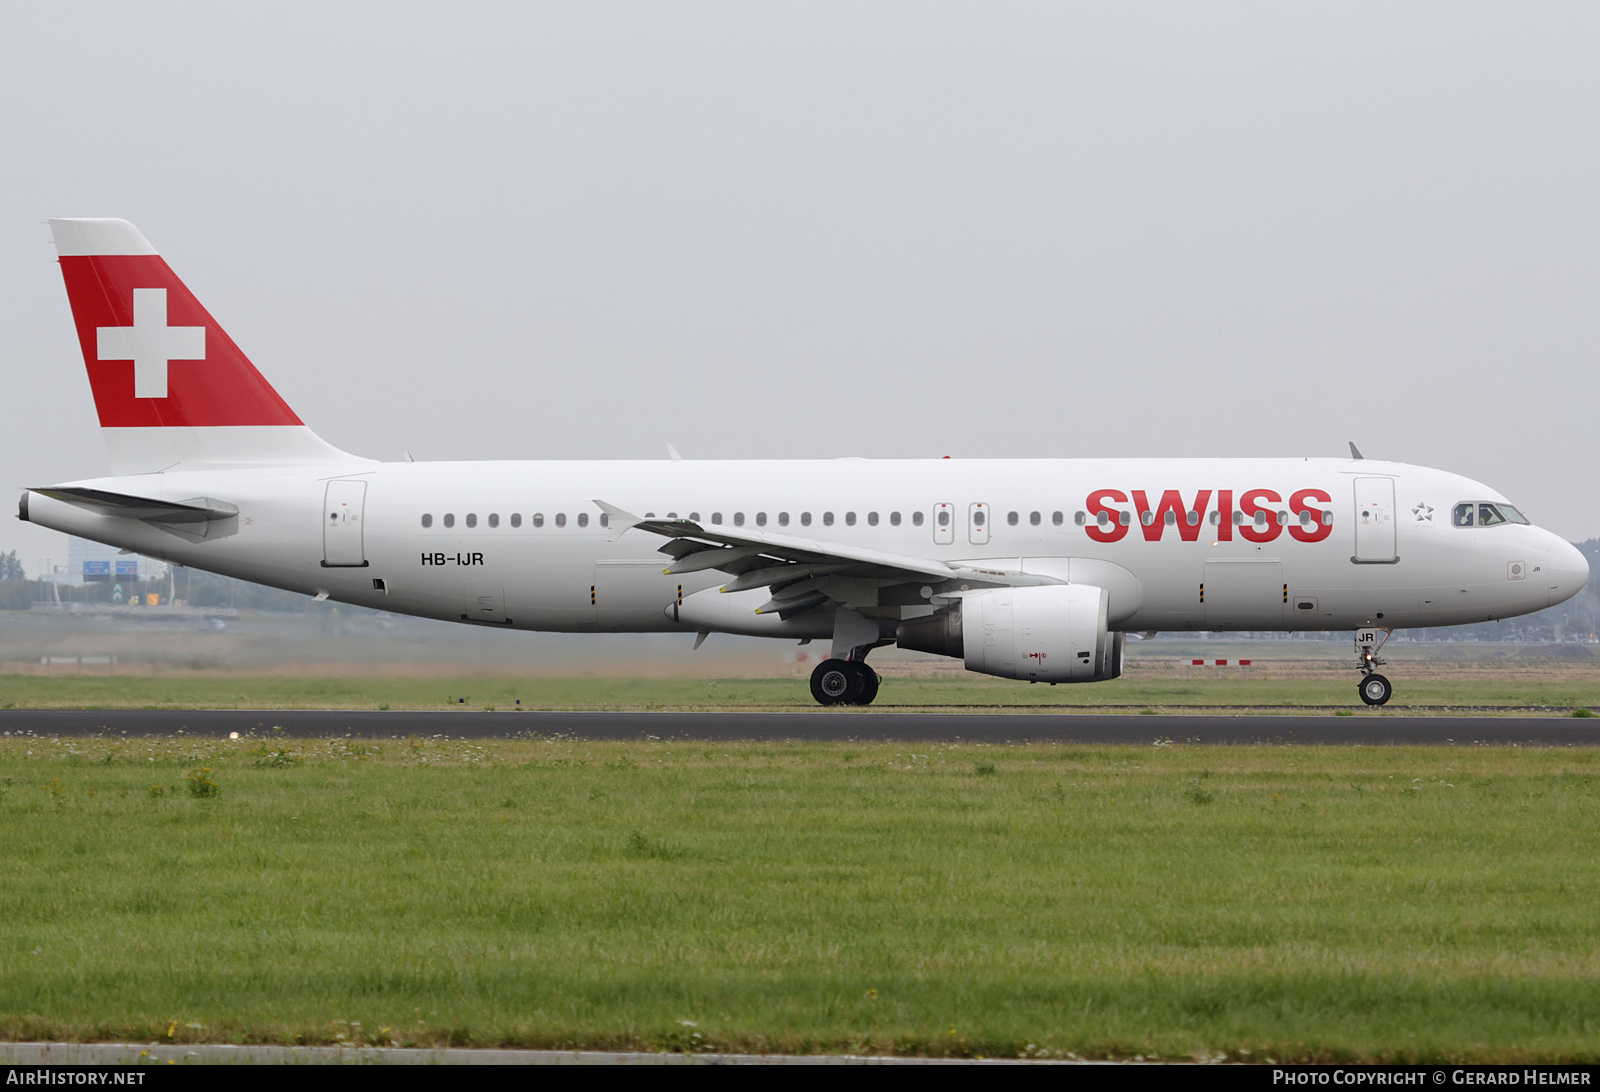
<point>619,519</point>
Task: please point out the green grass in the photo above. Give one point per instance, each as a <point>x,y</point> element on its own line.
<point>1560,692</point>
<point>1295,903</point>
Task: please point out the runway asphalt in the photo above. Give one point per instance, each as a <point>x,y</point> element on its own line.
<point>829,724</point>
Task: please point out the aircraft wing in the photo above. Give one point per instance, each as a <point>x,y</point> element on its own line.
<point>799,570</point>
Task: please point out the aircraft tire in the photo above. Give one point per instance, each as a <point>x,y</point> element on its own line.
<point>836,682</point>
<point>869,684</point>
<point>1374,689</point>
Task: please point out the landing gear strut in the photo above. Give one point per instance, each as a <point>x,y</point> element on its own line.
<point>844,682</point>
<point>1373,688</point>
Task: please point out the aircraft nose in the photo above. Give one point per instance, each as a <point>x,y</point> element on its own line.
<point>1566,570</point>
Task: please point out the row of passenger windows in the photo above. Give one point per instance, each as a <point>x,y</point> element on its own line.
<point>493,520</point>
<point>1192,519</point>
<point>873,519</point>
<point>943,518</point>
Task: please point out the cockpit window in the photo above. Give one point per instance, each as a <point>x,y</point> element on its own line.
<point>1484,514</point>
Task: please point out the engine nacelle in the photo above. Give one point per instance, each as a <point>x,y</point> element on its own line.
<point>1055,633</point>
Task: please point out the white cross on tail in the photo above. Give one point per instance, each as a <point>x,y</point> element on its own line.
<point>150,343</point>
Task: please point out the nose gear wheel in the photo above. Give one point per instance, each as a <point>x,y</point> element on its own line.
<point>1374,689</point>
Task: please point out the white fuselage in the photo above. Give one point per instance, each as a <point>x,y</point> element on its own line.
<point>521,545</point>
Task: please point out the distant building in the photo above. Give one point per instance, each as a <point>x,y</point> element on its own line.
<point>91,562</point>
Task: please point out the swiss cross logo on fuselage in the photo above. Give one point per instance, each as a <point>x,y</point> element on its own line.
<point>150,343</point>
<point>1255,518</point>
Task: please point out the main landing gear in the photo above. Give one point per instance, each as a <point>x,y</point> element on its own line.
<point>844,682</point>
<point>1373,688</point>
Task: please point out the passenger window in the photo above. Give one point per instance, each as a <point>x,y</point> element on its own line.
<point>805,519</point>
<point>1125,518</point>
<point>1011,519</point>
<point>872,519</point>
<point>944,517</point>
<point>916,519</point>
<point>850,519</point>
<point>672,515</point>
<point>1238,518</point>
<point>494,519</point>
<point>537,519</point>
<point>1170,518</point>
<point>692,515</point>
<point>516,519</point>
<point>977,518</point>
<point>1462,516</point>
<point>427,519</point>
<point>449,519</point>
<point>1216,518</point>
<point>1080,518</point>
<point>783,519</point>
<point>716,517</point>
<point>583,519</point>
<point>605,520</point>
<point>827,519</point>
<point>1058,518</point>
<point>1035,518</point>
<point>894,519</point>
<point>1148,518</point>
<point>761,519</point>
<point>738,519</point>
<point>472,519</point>
<point>561,519</point>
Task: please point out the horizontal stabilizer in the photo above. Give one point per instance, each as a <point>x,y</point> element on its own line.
<point>192,510</point>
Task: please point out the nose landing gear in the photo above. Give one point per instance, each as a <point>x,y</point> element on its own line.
<point>1373,687</point>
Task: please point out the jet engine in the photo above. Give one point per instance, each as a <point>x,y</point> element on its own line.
<point>1055,633</point>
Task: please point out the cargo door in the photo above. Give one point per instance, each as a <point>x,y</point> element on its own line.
<point>344,509</point>
<point>1375,522</point>
<point>635,595</point>
<point>1244,594</point>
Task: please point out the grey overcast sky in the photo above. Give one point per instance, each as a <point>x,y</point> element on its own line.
<point>811,230</point>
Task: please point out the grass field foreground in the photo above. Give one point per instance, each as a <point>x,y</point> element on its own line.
<point>1555,692</point>
<point>1295,903</point>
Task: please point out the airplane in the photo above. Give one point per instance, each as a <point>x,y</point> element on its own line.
<point>1031,570</point>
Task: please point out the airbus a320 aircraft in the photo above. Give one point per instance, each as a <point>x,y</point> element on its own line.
<point>1030,570</point>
